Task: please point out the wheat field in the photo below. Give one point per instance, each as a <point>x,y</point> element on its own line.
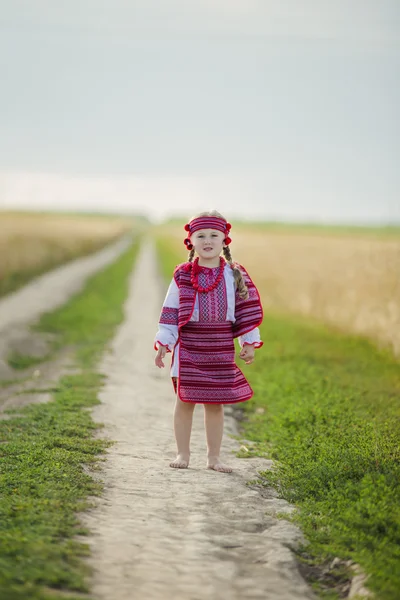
<point>32,243</point>
<point>349,281</point>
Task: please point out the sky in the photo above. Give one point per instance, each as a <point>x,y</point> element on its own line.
<point>271,109</point>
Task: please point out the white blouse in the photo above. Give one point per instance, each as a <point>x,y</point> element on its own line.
<point>167,335</point>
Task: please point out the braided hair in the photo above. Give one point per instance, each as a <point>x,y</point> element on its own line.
<point>237,274</point>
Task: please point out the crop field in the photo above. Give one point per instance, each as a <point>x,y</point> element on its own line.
<point>350,281</point>
<point>33,243</point>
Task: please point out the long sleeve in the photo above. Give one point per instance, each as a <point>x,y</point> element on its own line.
<point>250,308</point>
<point>252,337</point>
<point>167,333</point>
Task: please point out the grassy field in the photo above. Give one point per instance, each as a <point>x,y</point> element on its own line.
<point>31,244</point>
<point>48,450</point>
<point>377,231</point>
<point>326,411</point>
<point>348,281</point>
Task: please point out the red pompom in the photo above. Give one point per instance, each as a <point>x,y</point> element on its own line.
<point>228,226</point>
<point>227,241</point>
<point>187,227</point>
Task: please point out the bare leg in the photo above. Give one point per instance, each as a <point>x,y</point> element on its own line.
<point>214,424</point>
<point>183,417</point>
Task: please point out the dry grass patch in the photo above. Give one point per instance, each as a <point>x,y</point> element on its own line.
<point>349,281</point>
<point>33,243</point>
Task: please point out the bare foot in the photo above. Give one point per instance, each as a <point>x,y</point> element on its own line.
<point>217,465</point>
<point>181,462</point>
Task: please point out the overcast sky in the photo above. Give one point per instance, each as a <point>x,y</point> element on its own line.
<point>283,109</point>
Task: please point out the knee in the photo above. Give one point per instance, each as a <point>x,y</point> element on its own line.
<point>213,408</point>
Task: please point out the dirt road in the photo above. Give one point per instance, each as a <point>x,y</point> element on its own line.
<point>162,533</point>
<point>45,293</point>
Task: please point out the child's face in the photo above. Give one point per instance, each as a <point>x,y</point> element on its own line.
<point>208,243</point>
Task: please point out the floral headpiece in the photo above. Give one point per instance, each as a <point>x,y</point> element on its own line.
<point>207,223</point>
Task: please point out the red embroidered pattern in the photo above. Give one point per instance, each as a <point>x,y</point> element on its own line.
<point>169,316</point>
<point>207,369</point>
<point>214,304</point>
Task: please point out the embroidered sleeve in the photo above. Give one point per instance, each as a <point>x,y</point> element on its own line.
<point>167,333</point>
<point>169,315</point>
<point>248,314</point>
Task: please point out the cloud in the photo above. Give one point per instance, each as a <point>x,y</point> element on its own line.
<point>362,20</point>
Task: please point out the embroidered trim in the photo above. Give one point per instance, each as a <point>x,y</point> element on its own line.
<point>255,344</point>
<point>160,344</point>
<point>169,316</point>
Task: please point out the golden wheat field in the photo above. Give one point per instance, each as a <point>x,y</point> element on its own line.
<point>32,243</point>
<point>349,281</point>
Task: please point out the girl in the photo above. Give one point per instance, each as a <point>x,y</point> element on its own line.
<point>210,301</point>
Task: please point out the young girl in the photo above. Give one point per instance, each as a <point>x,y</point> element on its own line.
<point>210,301</point>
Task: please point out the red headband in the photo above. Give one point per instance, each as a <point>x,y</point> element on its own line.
<point>207,223</point>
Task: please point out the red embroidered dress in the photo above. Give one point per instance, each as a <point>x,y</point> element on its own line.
<point>205,347</point>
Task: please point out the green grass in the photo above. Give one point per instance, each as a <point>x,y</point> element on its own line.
<point>45,447</point>
<point>168,257</point>
<point>19,361</point>
<point>331,423</point>
<point>326,410</point>
<point>5,383</point>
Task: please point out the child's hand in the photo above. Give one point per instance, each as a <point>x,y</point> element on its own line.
<point>162,350</point>
<point>247,354</point>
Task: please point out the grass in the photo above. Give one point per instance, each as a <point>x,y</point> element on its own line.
<point>384,230</point>
<point>47,449</point>
<point>379,231</point>
<point>331,423</point>
<point>31,244</point>
<point>19,361</point>
<point>326,411</point>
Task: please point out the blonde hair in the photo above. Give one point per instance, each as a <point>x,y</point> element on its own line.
<point>237,274</point>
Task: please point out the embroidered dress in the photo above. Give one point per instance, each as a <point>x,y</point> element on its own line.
<point>200,329</point>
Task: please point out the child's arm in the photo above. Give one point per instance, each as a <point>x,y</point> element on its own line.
<point>167,334</point>
<point>248,343</point>
<point>159,362</point>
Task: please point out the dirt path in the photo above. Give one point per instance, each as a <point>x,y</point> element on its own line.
<point>45,293</point>
<point>161,533</point>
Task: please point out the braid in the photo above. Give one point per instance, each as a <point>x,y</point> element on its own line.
<point>191,255</point>
<point>240,284</point>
